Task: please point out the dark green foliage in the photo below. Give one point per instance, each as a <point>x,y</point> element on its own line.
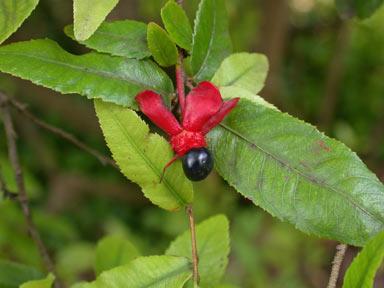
<point>359,8</point>
<point>12,275</point>
<point>298,174</point>
<point>122,38</point>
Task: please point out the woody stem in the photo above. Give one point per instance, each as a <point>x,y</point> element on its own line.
<point>195,256</point>
<point>180,81</point>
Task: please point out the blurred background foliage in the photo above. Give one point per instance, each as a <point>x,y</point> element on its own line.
<point>323,69</point>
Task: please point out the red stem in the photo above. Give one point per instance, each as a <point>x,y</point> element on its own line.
<point>180,82</point>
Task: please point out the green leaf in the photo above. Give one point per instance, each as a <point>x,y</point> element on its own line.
<point>44,283</point>
<point>142,156</point>
<point>163,49</point>
<point>231,92</point>
<point>12,275</point>
<point>78,284</point>
<point>211,42</point>
<point>212,240</point>
<point>74,259</point>
<point>296,173</point>
<point>113,79</point>
<point>243,70</point>
<point>12,15</point>
<point>361,272</point>
<point>121,38</point>
<point>89,14</point>
<point>113,251</point>
<point>153,271</point>
<point>359,8</point>
<point>177,24</point>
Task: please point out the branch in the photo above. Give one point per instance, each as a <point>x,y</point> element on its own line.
<point>22,109</point>
<point>339,256</point>
<point>181,81</point>
<point>195,256</point>
<point>22,195</point>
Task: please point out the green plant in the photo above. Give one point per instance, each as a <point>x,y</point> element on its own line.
<point>278,162</point>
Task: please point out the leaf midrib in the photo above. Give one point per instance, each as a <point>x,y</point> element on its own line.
<point>90,71</point>
<point>239,76</point>
<point>150,164</point>
<point>186,267</point>
<point>308,178</point>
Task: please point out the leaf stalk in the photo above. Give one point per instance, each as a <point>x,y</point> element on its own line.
<point>195,256</point>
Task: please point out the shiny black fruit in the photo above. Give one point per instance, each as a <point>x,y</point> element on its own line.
<point>197,163</point>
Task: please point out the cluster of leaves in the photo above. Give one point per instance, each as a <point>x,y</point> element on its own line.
<point>281,164</point>
<point>118,262</point>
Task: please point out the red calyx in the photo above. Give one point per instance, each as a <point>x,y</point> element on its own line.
<point>203,110</point>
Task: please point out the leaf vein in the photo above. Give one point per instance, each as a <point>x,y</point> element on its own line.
<point>149,163</point>
<point>307,177</point>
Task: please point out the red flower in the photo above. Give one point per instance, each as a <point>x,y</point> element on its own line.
<point>203,110</point>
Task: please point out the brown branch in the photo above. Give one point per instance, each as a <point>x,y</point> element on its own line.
<point>339,256</point>
<point>21,108</point>
<point>22,195</point>
<point>195,256</point>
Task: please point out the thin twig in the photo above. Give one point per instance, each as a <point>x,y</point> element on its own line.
<point>195,256</point>
<point>22,195</point>
<point>181,81</point>
<point>339,256</point>
<point>21,108</point>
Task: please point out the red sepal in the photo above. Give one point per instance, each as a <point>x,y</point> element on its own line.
<point>203,102</point>
<point>153,106</point>
<point>219,116</point>
<point>187,140</point>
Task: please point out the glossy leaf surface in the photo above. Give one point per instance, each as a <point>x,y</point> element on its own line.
<point>211,42</point>
<point>12,15</point>
<point>142,156</point>
<point>231,92</point>
<point>361,272</point>
<point>297,174</point>
<point>112,252</point>
<point>44,283</point>
<point>89,14</point>
<point>212,240</point>
<point>113,79</point>
<point>121,38</point>
<point>243,70</point>
<point>152,272</point>
<point>177,24</point>
<point>163,49</point>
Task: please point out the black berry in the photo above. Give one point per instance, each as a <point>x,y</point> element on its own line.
<point>197,163</point>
